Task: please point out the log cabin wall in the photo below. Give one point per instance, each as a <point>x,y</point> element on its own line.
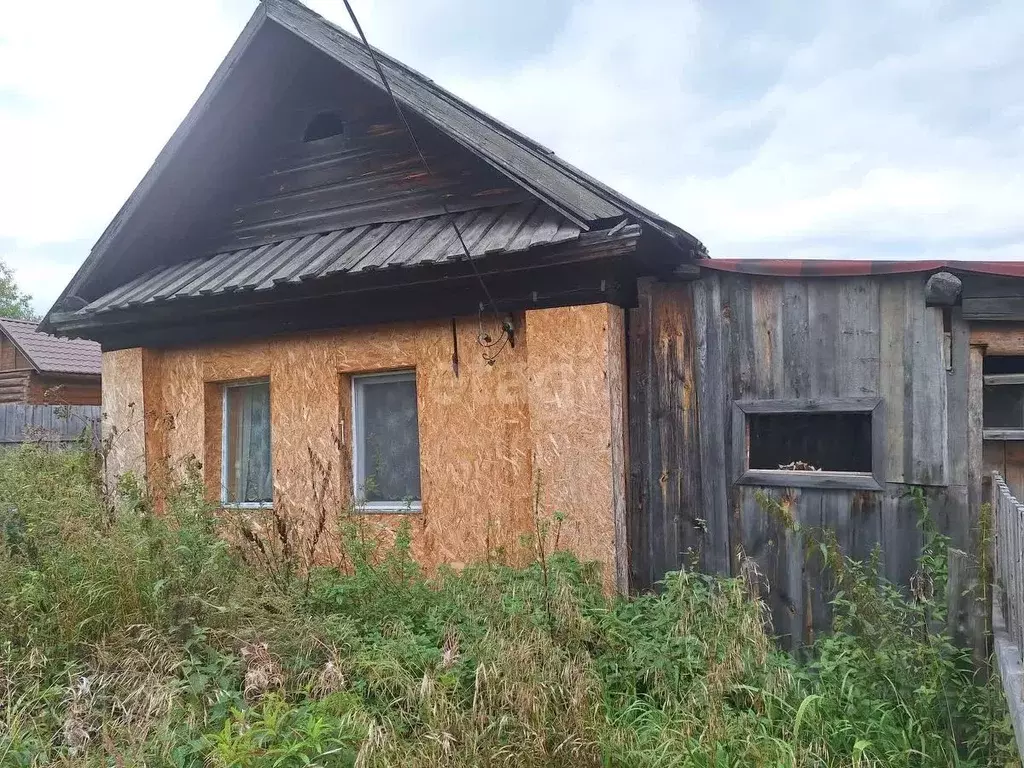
<point>55,389</point>
<point>543,424</point>
<point>705,354</point>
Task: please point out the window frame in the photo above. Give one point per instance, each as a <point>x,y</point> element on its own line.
<point>225,386</point>
<point>788,478</point>
<point>1001,380</point>
<point>380,507</point>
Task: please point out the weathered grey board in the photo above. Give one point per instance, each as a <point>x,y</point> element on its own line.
<point>48,424</point>
<point>793,338</point>
<point>666,527</point>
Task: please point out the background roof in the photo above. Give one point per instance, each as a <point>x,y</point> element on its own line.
<point>51,354</point>
<point>851,267</point>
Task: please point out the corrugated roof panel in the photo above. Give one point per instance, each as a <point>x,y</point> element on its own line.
<point>381,253</point>
<point>294,251</point>
<point>301,261</point>
<point>523,238</point>
<point>502,229</point>
<point>348,258</point>
<point>507,227</point>
<point>346,239</point>
<point>144,290</point>
<point>215,268</point>
<point>422,241</point>
<point>216,284</point>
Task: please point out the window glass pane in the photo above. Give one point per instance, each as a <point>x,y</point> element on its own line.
<point>388,445</point>
<point>247,455</point>
<point>831,442</point>
<point>1004,406</point>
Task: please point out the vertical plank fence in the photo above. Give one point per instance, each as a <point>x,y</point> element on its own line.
<point>1008,600</point>
<point>51,425</point>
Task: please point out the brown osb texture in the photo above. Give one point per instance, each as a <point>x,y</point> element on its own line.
<point>551,402</point>
<point>576,357</point>
<point>123,426</point>
<point>545,403</point>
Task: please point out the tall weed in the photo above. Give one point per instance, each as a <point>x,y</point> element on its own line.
<point>129,638</point>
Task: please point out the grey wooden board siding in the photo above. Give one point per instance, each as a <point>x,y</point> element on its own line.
<point>925,420</point>
<point>892,375</point>
<point>711,422</point>
<point>20,423</point>
<point>763,338</point>
<point>666,526</point>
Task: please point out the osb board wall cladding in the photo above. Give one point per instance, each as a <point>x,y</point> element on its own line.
<point>123,426</point>
<point>546,406</point>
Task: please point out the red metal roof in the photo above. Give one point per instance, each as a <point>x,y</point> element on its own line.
<point>50,354</point>
<point>852,267</point>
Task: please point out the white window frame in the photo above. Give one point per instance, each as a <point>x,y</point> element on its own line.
<point>389,507</point>
<point>224,449</point>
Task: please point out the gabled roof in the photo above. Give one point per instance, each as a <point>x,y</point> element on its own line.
<point>567,189</point>
<point>51,354</point>
<point>575,196</point>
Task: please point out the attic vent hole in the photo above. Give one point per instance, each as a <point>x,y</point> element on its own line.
<point>323,126</point>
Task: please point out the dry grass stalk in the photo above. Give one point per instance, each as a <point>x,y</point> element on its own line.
<point>262,671</point>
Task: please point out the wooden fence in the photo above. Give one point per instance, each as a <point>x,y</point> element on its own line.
<point>53,425</point>
<point>1008,600</point>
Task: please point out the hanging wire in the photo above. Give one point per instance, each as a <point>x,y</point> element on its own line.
<point>505,325</point>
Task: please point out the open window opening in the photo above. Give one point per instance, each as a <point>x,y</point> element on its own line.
<point>827,443</point>
<point>810,442</point>
<point>1003,398</point>
<point>323,126</point>
<point>386,444</point>
<point>246,477</point>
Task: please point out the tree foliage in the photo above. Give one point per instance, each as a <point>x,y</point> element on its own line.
<point>13,302</point>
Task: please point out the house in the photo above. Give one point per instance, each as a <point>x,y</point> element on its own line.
<point>286,297</point>
<point>38,368</point>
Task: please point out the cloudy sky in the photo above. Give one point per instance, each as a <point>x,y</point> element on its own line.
<point>770,129</point>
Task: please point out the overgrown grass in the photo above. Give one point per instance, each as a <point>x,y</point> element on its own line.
<point>133,639</point>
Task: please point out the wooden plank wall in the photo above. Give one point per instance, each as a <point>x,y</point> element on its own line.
<point>47,424</point>
<point>665,519</point>
<point>793,337</point>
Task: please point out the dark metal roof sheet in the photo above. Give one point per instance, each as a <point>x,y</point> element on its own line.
<point>854,267</point>
<point>51,354</point>
<point>500,230</point>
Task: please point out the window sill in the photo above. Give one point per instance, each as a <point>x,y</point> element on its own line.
<point>787,478</point>
<point>389,508</point>
<point>245,505</point>
<point>1002,433</point>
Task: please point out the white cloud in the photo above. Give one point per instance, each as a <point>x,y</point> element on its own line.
<point>840,129</point>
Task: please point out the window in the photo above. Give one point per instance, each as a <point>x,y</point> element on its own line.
<point>323,126</point>
<point>386,454</point>
<point>246,472</point>
<point>827,443</point>
<point>1003,398</point>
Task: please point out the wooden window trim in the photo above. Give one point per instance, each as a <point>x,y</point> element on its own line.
<point>376,507</point>
<point>857,481</point>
